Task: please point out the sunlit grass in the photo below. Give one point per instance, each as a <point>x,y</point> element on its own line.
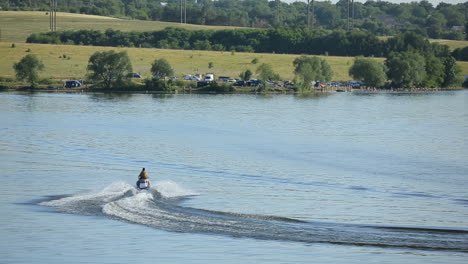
<point>66,61</point>
<point>464,67</point>
<point>452,44</point>
<point>73,64</point>
<point>16,26</point>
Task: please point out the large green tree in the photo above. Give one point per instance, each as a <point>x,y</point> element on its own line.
<point>312,69</point>
<point>161,69</point>
<point>434,72</point>
<point>28,69</point>
<point>109,67</point>
<point>451,71</point>
<point>265,72</point>
<point>369,70</point>
<point>406,69</point>
<point>245,76</point>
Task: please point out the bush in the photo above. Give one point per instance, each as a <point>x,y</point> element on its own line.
<point>158,85</point>
<point>46,81</point>
<point>183,83</point>
<point>465,84</point>
<point>218,88</point>
<point>6,79</point>
<point>4,87</point>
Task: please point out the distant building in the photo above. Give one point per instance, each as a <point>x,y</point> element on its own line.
<point>457,28</point>
<point>389,21</point>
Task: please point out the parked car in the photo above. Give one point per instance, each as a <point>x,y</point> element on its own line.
<point>355,84</point>
<point>240,83</point>
<point>134,75</point>
<point>253,82</point>
<point>201,84</point>
<point>72,83</point>
<point>209,77</point>
<point>191,77</point>
<point>223,78</point>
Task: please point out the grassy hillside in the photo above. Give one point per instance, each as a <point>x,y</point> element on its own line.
<point>16,26</point>
<point>453,44</point>
<point>183,61</point>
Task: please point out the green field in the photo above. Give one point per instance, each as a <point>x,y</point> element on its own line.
<point>16,26</point>
<point>453,44</point>
<point>183,61</point>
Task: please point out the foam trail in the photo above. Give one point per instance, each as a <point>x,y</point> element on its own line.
<point>156,208</point>
<point>170,189</point>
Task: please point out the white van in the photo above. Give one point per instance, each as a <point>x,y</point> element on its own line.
<point>209,77</point>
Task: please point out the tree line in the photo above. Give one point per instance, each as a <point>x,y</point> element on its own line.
<point>382,18</point>
<point>282,41</point>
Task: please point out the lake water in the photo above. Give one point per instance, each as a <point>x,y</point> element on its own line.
<point>339,178</point>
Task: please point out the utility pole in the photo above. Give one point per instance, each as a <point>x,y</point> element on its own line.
<point>50,14</point>
<point>313,14</point>
<point>310,18</point>
<point>353,14</point>
<point>53,15</point>
<point>347,24</point>
<point>183,11</point>
<point>278,19</point>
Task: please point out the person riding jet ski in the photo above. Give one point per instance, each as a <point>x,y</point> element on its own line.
<point>143,182</point>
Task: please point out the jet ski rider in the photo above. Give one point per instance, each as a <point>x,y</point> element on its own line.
<point>143,182</point>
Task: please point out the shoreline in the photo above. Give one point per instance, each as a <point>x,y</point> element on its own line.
<point>195,91</point>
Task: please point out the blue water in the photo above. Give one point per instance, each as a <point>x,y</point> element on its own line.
<point>339,178</point>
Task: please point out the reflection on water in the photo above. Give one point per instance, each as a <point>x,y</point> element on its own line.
<point>110,96</point>
<point>312,95</point>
